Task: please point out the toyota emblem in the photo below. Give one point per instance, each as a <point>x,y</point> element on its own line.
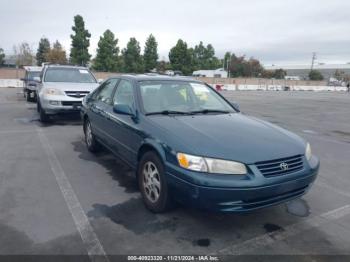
<point>284,166</point>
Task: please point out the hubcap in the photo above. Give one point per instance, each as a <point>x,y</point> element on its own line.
<point>151,182</point>
<point>88,134</point>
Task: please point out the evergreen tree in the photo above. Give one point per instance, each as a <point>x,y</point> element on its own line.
<point>198,56</point>
<point>79,53</point>
<point>107,53</point>
<point>151,53</point>
<point>132,59</point>
<point>43,49</point>
<point>181,57</point>
<point>56,55</point>
<point>2,57</point>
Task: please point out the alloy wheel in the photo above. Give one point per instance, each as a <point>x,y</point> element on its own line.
<point>151,181</point>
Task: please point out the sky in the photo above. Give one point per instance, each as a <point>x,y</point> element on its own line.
<point>276,32</point>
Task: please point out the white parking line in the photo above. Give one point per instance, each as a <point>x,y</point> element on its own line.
<point>250,245</point>
<point>88,236</point>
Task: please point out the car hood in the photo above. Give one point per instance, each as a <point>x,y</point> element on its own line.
<point>72,86</point>
<point>228,136</point>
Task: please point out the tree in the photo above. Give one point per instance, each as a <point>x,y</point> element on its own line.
<point>150,55</point>
<point>107,53</point>
<point>2,57</point>
<point>56,55</point>
<point>132,59</point>
<point>279,73</point>
<point>24,54</point>
<point>241,67</point>
<point>43,49</point>
<point>339,75</point>
<point>236,65</point>
<point>315,75</point>
<point>79,53</point>
<point>199,56</point>
<point>181,57</point>
<point>204,57</point>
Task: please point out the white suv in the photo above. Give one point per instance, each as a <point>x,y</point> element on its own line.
<point>61,89</point>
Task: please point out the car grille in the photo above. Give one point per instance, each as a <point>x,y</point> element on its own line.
<point>280,166</point>
<point>77,94</point>
<point>71,103</point>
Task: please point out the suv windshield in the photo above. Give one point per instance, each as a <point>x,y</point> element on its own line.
<point>72,75</point>
<point>32,74</point>
<point>181,97</point>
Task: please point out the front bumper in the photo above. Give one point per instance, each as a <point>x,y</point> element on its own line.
<point>61,104</point>
<point>246,196</point>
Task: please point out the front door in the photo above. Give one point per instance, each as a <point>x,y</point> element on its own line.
<point>98,104</point>
<point>124,128</point>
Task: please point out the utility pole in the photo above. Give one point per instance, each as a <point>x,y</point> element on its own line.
<point>313,60</point>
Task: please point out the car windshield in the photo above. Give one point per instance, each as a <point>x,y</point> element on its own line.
<point>181,97</point>
<point>71,75</point>
<point>33,74</point>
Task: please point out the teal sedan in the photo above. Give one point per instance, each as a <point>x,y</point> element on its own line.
<point>189,145</point>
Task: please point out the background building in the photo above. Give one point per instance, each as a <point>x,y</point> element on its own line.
<point>302,71</point>
<point>220,72</point>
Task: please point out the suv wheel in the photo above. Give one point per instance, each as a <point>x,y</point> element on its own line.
<point>152,183</point>
<point>90,139</point>
<point>44,118</point>
<point>28,97</point>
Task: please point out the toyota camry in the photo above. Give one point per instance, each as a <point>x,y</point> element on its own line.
<point>189,145</point>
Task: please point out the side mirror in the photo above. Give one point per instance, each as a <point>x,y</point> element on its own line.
<point>37,79</point>
<point>235,106</point>
<point>100,80</point>
<point>123,109</point>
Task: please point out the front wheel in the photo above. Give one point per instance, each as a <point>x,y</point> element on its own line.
<point>44,118</point>
<point>152,183</point>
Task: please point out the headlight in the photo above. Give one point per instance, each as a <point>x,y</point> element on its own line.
<point>211,165</point>
<point>308,152</point>
<point>53,91</point>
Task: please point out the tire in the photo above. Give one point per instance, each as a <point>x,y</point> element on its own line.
<point>152,183</point>
<point>28,98</point>
<point>44,118</point>
<point>90,139</point>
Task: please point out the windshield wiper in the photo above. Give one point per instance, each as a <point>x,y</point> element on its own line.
<point>169,112</point>
<point>206,111</point>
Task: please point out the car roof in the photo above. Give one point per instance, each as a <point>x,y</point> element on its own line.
<point>33,68</point>
<point>154,77</point>
<point>66,66</point>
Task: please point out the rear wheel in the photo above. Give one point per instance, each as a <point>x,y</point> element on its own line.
<point>29,97</point>
<point>90,139</point>
<point>152,183</point>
